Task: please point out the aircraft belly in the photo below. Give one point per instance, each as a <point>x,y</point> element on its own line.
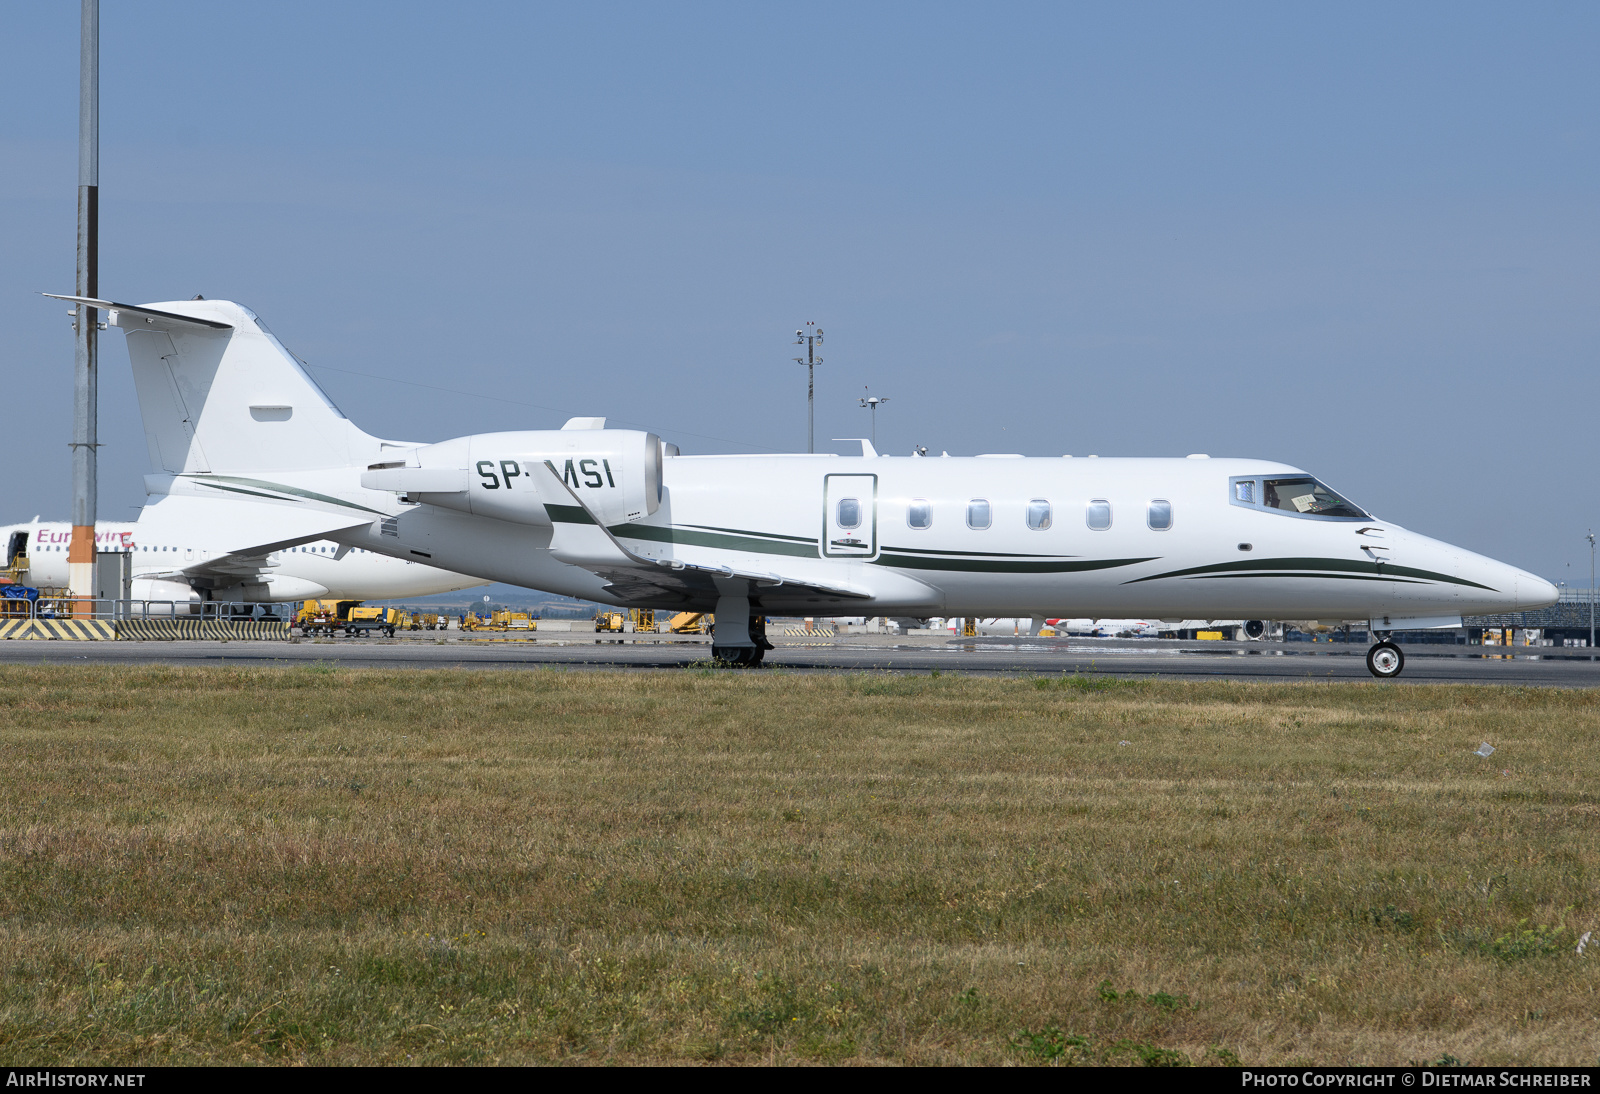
<point>1109,593</point>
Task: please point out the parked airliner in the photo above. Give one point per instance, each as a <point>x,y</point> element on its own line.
<point>619,517</point>
<point>189,564</point>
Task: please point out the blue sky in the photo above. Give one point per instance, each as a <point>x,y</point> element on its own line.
<point>1357,238</point>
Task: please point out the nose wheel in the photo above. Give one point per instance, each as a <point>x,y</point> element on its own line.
<point>1384,660</point>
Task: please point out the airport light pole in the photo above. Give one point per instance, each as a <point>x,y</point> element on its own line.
<point>85,389</point>
<point>1590,538</point>
<point>810,338</point>
<point>871,402</point>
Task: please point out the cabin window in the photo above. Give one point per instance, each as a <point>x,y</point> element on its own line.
<point>1099,514</point>
<point>1308,497</point>
<point>1160,515</point>
<point>1038,514</point>
<point>978,514</point>
<point>920,513</point>
<point>849,513</point>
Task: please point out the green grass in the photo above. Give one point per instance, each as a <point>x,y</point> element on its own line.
<point>327,866</point>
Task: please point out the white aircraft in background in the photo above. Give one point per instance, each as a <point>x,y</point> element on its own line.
<point>1026,626</point>
<point>189,564</point>
<point>616,516</point>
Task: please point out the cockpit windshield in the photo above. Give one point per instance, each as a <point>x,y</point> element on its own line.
<point>1307,496</point>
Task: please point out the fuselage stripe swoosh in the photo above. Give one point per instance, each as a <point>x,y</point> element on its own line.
<point>1339,565</point>
<point>689,537</point>
<point>1280,574</point>
<point>241,490</point>
<point>568,514</point>
<point>1006,566</point>
<point>747,532</point>
<point>309,495</point>
<point>967,554</point>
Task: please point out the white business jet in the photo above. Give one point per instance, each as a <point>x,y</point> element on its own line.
<point>616,516</point>
<point>193,562</point>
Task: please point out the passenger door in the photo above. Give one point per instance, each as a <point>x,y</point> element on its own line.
<point>850,516</point>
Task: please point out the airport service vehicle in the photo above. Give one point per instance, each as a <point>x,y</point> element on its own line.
<point>208,554</point>
<point>619,517</point>
<point>503,619</point>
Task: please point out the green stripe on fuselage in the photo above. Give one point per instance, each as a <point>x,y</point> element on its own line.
<point>722,540</point>
<point>728,541</point>
<point>569,514</point>
<point>1005,566</point>
<point>1279,575</point>
<point>930,552</point>
<point>1278,566</point>
<point>297,492</point>
<point>241,490</point>
<point>758,535</point>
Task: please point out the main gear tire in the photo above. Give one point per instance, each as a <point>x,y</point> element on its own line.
<point>737,656</point>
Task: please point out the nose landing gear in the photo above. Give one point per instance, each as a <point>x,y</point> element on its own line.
<point>1384,660</point>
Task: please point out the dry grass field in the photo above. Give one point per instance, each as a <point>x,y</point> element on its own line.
<point>327,866</point>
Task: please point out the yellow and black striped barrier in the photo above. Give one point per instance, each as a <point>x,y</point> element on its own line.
<point>168,630</point>
<point>76,630</point>
<point>105,630</point>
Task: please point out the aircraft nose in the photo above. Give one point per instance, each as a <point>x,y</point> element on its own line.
<point>1535,592</point>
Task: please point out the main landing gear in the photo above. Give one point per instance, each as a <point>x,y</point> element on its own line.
<point>735,646</point>
<point>741,657</point>
<point>1384,659</point>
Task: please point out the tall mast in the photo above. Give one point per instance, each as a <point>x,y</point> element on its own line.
<point>85,385</point>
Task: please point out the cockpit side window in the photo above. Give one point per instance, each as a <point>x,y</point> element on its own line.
<point>1307,497</point>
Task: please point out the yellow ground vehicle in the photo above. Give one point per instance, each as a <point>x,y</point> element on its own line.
<point>360,620</point>
<point>497,621</point>
<point>643,621</point>
<point>349,617</point>
<point>691,623</point>
<point>323,617</point>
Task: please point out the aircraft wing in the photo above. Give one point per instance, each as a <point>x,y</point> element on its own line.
<point>588,543</point>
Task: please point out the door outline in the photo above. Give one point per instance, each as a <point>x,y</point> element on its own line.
<point>828,501</point>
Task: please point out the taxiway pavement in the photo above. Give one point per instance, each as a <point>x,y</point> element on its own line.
<point>1425,664</point>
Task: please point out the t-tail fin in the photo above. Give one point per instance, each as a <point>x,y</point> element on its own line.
<point>219,393</point>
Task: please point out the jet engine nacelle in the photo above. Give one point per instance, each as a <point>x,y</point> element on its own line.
<point>162,589</point>
<point>616,472</point>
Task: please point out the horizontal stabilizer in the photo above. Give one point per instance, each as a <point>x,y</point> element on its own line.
<point>151,316</point>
